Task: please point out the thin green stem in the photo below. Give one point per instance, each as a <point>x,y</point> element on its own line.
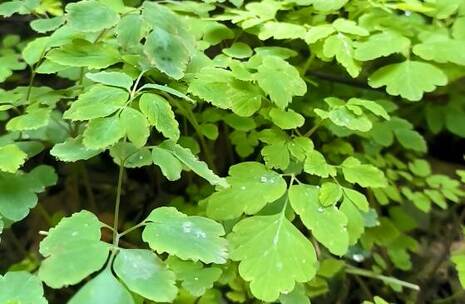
<point>313,130</point>
<point>136,84</point>
<point>31,81</point>
<point>129,230</point>
<point>307,64</point>
<point>389,280</point>
<point>117,205</point>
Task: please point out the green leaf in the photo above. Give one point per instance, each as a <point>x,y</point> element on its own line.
<point>349,27</point>
<point>35,50</point>
<point>11,158</point>
<point>103,132</point>
<point>454,121</point>
<point>47,24</point>
<point>369,105</point>
<point>21,287</point>
<point>34,119</point>
<point>98,101</point>
<point>252,186</point>
<point>136,125</point>
<point>356,198</point>
<point>116,79</point>
<point>297,296</point>
<point>343,117</point>
<point>130,31</point>
<point>261,244</point>
<point>409,79</point>
<point>355,221</point>
<point>200,168</point>
<point>411,139</point>
<point>341,47</point>
<point>363,174</point>
<point>187,237</point>
<point>381,45</point>
<point>72,250</point>
<point>281,30</point>
<point>170,166</point>
<point>167,89</point>
<point>328,5</point>
<point>17,191</point>
<point>238,50</point>
<point>130,156</point>
<point>159,114</point>
<point>318,32</point>
<point>82,53</point>
<point>104,288</point>
<point>316,164</point>
<point>145,274</point>
<point>219,87</point>
<point>420,167</point>
<point>330,194</point>
<point>167,53</point>
<point>280,80</point>
<point>195,278</point>
<point>276,156</point>
<point>21,7</point>
<point>90,16</point>
<point>442,51</point>
<point>286,119</point>
<point>458,258</point>
<point>328,225</point>
<point>72,150</point>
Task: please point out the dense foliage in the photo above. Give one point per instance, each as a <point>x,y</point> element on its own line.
<point>232,151</point>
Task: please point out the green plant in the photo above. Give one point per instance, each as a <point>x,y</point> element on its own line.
<point>313,110</point>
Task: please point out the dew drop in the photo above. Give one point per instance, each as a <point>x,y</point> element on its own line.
<point>320,209</point>
<point>358,257</point>
<point>187,227</point>
<point>141,157</point>
<point>264,179</point>
<point>74,233</point>
<point>243,188</point>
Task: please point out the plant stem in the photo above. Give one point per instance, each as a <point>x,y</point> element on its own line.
<point>132,229</point>
<point>313,129</point>
<point>117,204</point>
<point>390,280</point>
<point>31,81</point>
